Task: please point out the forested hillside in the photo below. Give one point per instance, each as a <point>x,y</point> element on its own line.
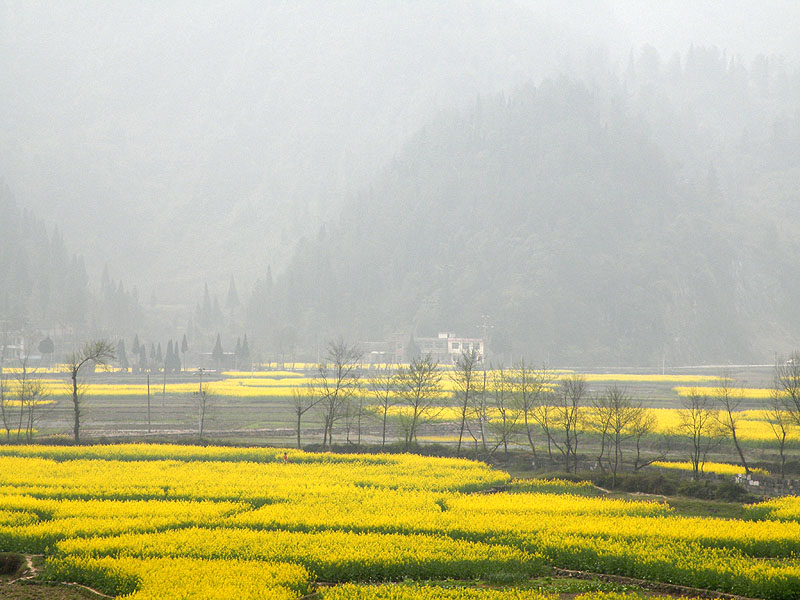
<point>218,138</point>
<point>39,280</point>
<point>628,219</point>
<point>44,287</point>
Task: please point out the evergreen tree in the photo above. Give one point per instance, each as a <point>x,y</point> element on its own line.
<point>244,358</point>
<point>142,358</point>
<point>168,357</point>
<point>159,357</point>
<point>412,350</point>
<point>122,356</point>
<point>136,345</point>
<point>217,354</point>
<point>184,348</point>
<point>176,359</point>
<point>46,346</point>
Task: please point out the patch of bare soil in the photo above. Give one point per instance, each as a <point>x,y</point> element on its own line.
<point>18,582</point>
<point>654,586</point>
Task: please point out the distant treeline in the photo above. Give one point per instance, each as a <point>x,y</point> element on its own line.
<point>45,287</point>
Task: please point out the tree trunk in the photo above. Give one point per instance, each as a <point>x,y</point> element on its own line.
<point>461,430</point>
<point>76,407</point>
<point>739,450</point>
<point>530,436</point>
<point>299,416</point>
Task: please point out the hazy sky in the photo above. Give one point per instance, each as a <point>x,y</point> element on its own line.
<point>215,133</point>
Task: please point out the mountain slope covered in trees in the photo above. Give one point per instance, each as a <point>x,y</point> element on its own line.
<point>40,281</point>
<point>44,287</point>
<point>643,220</point>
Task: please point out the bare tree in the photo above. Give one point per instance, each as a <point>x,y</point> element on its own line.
<point>779,421</point>
<point>94,352</point>
<point>503,426</point>
<point>699,423</point>
<point>620,417</point>
<point>730,399</point>
<point>419,387</point>
<point>383,387</point>
<point>466,381</point>
<point>338,383</point>
<point>530,387</point>
<point>303,400</point>
<point>644,425</point>
<point>354,415</point>
<point>23,378</point>
<point>203,399</point>
<point>566,418</point>
<point>5,397</point>
<point>600,421</point>
<point>544,414</point>
<point>4,394</point>
<point>787,380</point>
<point>31,392</point>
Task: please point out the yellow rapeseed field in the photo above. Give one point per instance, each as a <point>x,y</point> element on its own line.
<point>751,393</point>
<point>151,521</point>
<point>707,467</point>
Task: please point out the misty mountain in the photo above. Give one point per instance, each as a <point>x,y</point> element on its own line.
<point>186,142</point>
<point>40,281</point>
<point>44,287</point>
<point>217,134</point>
<point>623,221</point>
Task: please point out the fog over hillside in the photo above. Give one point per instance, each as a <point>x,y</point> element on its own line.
<point>187,143</point>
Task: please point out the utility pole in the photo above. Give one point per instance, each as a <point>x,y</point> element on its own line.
<point>164,388</point>
<point>485,327</point>
<point>149,425</point>
<point>200,387</point>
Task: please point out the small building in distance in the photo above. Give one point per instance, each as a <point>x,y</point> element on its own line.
<point>12,346</point>
<point>444,349</point>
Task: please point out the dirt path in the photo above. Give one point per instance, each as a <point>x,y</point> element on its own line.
<point>31,572</point>
<point>656,586</point>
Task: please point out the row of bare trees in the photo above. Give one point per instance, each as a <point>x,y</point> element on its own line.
<point>338,393</point>
<point>494,408</point>
<point>22,393</point>
<point>707,420</point>
<point>497,407</point>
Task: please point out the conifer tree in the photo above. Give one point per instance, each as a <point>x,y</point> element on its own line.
<point>184,348</point>
<point>217,354</point>
<point>244,359</point>
<point>122,356</point>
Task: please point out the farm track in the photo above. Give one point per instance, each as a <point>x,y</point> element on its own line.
<point>655,586</point>
<point>31,572</point>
